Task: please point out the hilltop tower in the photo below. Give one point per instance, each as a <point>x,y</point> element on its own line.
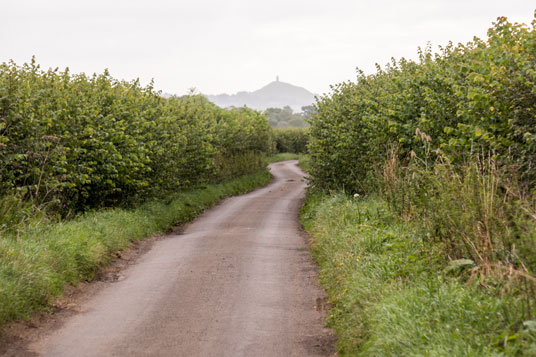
<point>277,78</point>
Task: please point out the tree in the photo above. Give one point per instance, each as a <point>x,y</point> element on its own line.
<point>284,117</point>
<point>308,111</point>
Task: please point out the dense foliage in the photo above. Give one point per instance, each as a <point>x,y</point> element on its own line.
<point>473,98</point>
<point>286,118</point>
<point>78,142</point>
<point>391,295</point>
<point>449,142</point>
<point>447,145</point>
<point>292,140</point>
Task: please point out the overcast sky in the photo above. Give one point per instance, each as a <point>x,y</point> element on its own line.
<point>233,45</point>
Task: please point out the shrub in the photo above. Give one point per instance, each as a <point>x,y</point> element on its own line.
<point>448,142</point>
<point>473,98</point>
<point>292,140</point>
<point>86,142</point>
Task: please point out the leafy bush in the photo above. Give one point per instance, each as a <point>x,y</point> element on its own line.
<point>447,142</point>
<point>92,141</point>
<point>447,146</point>
<point>467,99</point>
<point>293,140</point>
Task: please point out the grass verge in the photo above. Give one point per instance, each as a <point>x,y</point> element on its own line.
<point>392,295</point>
<point>305,162</point>
<point>36,265</point>
<point>282,157</point>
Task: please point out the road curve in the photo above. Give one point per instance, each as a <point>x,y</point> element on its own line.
<point>238,281</point>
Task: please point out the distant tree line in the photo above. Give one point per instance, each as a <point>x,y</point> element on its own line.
<point>286,118</point>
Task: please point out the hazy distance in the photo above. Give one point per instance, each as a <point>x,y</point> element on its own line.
<point>238,45</point>
<point>276,94</point>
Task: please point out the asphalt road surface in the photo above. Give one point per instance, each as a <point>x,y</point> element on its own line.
<point>238,281</point>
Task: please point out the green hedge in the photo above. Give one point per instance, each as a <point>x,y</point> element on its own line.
<point>449,143</point>
<point>293,140</point>
<point>467,99</point>
<point>79,142</point>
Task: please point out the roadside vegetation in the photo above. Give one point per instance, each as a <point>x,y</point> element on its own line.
<point>89,164</point>
<point>423,203</point>
<point>72,143</point>
<point>288,144</point>
<point>290,140</point>
<point>281,157</point>
<point>37,264</point>
<point>394,294</point>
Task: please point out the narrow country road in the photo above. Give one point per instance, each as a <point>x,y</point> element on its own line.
<point>238,281</point>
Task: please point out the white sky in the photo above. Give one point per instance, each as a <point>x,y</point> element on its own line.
<point>233,45</point>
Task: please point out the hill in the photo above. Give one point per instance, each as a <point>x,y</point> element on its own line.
<point>276,94</point>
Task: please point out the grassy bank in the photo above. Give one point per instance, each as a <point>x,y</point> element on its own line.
<point>392,294</point>
<point>282,157</point>
<point>305,163</point>
<point>36,265</point>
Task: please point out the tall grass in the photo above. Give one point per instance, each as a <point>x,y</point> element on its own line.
<point>475,211</point>
<point>393,294</point>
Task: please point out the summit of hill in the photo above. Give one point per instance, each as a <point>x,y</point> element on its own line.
<point>276,94</point>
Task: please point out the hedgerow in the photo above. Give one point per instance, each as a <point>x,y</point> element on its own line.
<point>293,140</point>
<point>474,98</point>
<point>448,144</point>
<point>78,142</point>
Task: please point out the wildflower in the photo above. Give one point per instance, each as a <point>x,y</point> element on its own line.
<point>356,195</point>
<point>342,263</point>
<point>357,258</point>
<point>331,207</point>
